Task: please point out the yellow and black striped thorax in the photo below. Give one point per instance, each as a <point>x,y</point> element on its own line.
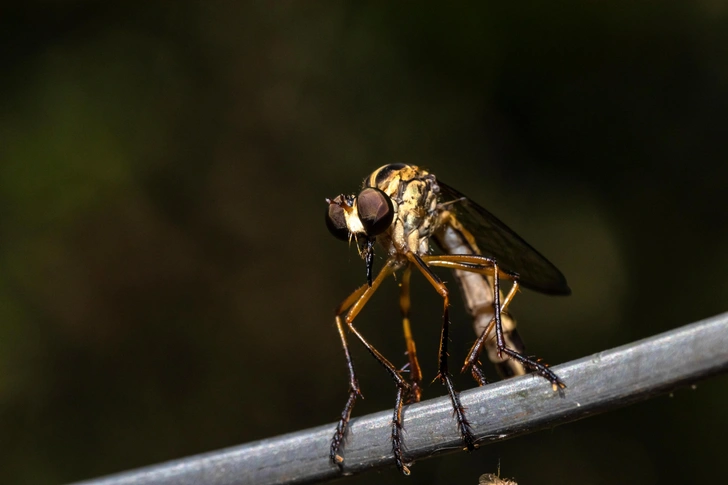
<point>414,194</point>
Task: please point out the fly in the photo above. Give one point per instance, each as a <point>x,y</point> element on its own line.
<point>402,208</point>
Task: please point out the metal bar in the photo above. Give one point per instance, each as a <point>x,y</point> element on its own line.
<point>499,411</point>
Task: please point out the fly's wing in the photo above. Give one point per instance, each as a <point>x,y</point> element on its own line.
<point>496,240</point>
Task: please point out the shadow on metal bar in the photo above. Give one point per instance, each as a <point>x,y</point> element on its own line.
<point>499,411</point>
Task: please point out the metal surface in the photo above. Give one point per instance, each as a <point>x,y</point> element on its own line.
<point>502,410</point>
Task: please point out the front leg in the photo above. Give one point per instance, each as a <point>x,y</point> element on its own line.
<point>352,306</point>
<point>354,391</point>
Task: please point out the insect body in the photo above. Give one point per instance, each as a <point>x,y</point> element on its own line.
<point>402,208</point>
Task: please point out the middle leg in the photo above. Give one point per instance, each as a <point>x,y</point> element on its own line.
<point>466,433</point>
<point>414,365</point>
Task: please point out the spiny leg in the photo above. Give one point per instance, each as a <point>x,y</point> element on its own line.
<point>354,306</point>
<point>353,303</point>
<point>414,365</point>
<point>443,374</point>
<point>478,294</point>
<point>354,390</point>
<point>488,266</point>
<point>403,389</point>
<point>472,360</point>
<point>506,366</point>
<point>480,267</point>
<point>527,362</point>
<point>397,431</point>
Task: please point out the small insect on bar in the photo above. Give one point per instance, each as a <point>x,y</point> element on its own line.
<point>402,208</point>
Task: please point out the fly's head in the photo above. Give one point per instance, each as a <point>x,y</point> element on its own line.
<point>398,207</point>
<point>361,218</point>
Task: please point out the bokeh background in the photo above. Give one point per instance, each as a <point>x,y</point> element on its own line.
<point>166,279</point>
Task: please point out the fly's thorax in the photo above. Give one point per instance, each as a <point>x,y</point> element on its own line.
<point>414,194</point>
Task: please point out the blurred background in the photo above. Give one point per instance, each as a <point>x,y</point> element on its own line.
<point>167,282</point>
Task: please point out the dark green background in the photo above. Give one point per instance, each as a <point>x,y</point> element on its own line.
<point>166,279</point>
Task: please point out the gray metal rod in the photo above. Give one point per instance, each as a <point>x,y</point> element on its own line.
<point>499,411</point>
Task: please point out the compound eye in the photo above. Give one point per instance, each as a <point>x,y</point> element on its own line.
<point>336,222</point>
<point>375,210</point>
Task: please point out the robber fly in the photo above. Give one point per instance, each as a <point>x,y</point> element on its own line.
<point>402,207</point>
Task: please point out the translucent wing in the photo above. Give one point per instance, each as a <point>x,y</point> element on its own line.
<point>496,240</point>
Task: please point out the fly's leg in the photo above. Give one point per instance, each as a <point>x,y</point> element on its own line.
<point>471,361</point>
<point>443,374</point>
<point>351,308</point>
<point>489,267</point>
<point>345,314</point>
<point>505,366</point>
<point>397,430</point>
<point>354,390</point>
<point>481,268</point>
<point>414,365</point>
<point>527,362</point>
<point>403,389</point>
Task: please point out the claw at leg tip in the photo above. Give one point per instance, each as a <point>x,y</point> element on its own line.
<point>471,447</point>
